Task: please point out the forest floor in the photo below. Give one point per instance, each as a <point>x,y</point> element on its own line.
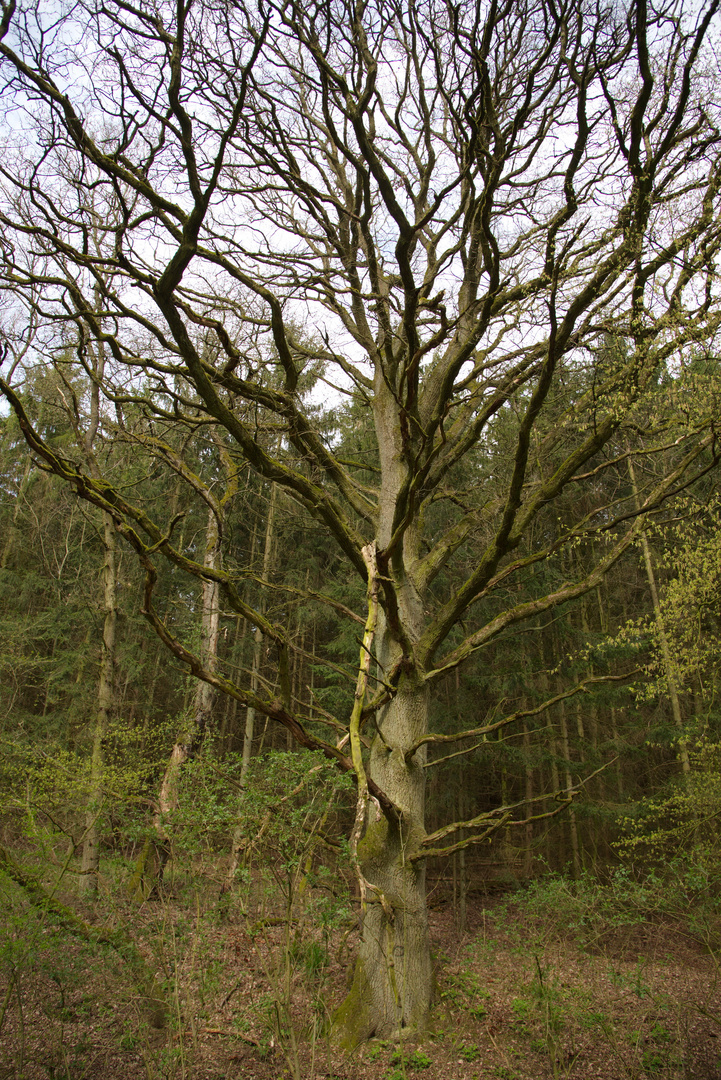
<point>531,989</point>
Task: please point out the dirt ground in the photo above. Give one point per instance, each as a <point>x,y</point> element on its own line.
<point>518,999</point>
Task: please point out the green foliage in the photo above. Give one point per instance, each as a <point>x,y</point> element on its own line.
<point>46,789</point>
<point>415,1060</point>
<point>463,990</point>
<point>376,1051</point>
<point>683,823</point>
<point>634,981</point>
<point>673,842</point>
<point>296,899</point>
<point>692,597</point>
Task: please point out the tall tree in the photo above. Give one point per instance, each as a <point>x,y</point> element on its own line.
<point>461,200</point>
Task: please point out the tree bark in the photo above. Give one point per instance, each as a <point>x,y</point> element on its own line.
<point>13,532</point>
<point>661,630</point>
<point>528,828</point>
<point>572,823</point>
<point>250,716</point>
<point>91,843</point>
<point>258,637</point>
<point>392,985</point>
<point>204,696</point>
<point>90,861</point>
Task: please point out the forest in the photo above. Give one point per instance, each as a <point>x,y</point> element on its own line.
<point>360,540</point>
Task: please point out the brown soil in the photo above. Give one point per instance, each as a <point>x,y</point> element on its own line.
<point>517,999</point>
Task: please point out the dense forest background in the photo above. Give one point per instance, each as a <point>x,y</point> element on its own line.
<point>630,671</point>
<point>178,887</point>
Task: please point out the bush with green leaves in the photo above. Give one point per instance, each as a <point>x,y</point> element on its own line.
<point>293,809</point>
<point>684,821</point>
<point>45,790</point>
<point>289,797</point>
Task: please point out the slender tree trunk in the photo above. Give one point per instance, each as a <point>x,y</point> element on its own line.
<point>13,531</point>
<point>91,844</point>
<point>461,811</point>
<point>204,695</point>
<point>462,880</point>
<point>311,684</point>
<point>508,853</point>
<point>661,629</point>
<point>48,681</point>
<point>528,828</point>
<point>239,832</point>
<point>258,636</point>
<point>573,826</point>
<point>555,786</point>
<point>619,771</point>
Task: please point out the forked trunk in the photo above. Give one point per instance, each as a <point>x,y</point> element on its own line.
<point>393,981</point>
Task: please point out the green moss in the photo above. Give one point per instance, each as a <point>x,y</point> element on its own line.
<point>372,847</point>
<point>352,1021</point>
<point>136,885</point>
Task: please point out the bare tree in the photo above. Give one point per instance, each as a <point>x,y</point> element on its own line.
<point>460,201</point>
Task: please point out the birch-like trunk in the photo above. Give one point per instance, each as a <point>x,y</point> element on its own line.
<point>90,862</point>
<point>204,696</point>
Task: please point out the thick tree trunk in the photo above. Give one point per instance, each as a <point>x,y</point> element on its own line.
<point>392,986</point>
<point>393,983</point>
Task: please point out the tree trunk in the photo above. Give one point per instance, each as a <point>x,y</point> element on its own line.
<point>573,825</point>
<point>462,879</point>
<point>249,735</point>
<point>258,642</point>
<point>203,699</point>
<point>392,985</point>
<point>661,630</point>
<point>91,842</point>
<point>393,981</point>
<point>13,533</point>
<point>528,828</point>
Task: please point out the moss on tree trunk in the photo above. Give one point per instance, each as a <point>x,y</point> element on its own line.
<point>393,981</point>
